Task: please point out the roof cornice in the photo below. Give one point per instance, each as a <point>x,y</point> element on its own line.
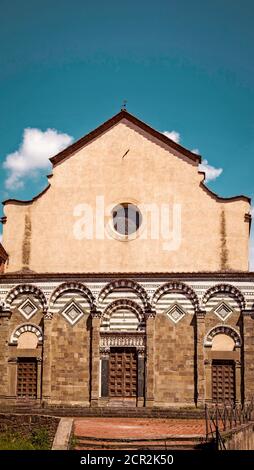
<point>123,114</point>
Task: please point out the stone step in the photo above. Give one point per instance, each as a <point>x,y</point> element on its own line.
<point>178,444</point>
<point>171,438</point>
<point>107,412</point>
<point>175,446</point>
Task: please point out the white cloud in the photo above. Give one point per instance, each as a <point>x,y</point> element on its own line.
<point>173,135</point>
<point>211,173</point>
<point>33,154</point>
<point>196,151</point>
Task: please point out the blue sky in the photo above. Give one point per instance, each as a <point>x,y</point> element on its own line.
<point>186,66</point>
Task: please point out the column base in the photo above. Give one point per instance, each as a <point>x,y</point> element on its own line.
<point>149,403</point>
<point>94,403</point>
<point>140,402</point>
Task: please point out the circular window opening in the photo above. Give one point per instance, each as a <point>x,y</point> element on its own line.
<point>127,218</point>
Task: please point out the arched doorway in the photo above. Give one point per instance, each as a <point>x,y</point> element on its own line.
<point>122,353</point>
<point>223,365</point>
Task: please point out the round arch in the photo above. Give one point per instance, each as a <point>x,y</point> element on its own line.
<point>72,286</point>
<point>226,289</point>
<point>222,329</point>
<point>26,328</point>
<point>180,288</point>
<point>123,303</point>
<point>124,283</point>
<point>26,289</point>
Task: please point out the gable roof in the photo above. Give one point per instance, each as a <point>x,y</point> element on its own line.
<point>123,114</point>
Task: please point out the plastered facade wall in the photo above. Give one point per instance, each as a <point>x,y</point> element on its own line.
<point>40,235</point>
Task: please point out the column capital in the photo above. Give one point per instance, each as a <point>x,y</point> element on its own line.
<point>48,315</point>
<point>95,313</point>
<point>248,312</point>
<point>104,351</point>
<point>150,313</point>
<point>200,314</point>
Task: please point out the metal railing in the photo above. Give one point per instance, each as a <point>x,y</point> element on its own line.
<point>224,417</point>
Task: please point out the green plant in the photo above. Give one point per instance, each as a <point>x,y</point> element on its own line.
<point>40,439</point>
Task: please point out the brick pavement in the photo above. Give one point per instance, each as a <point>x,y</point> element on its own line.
<point>137,428</point>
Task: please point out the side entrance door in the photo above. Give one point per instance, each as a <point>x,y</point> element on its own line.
<point>223,381</point>
<point>27,378</point>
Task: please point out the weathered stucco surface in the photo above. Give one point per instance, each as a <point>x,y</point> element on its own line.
<point>40,235</point>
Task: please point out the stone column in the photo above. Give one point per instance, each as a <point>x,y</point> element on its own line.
<point>46,357</point>
<point>39,368</point>
<point>238,381</point>
<point>248,354</point>
<point>200,372</point>
<point>104,353</point>
<point>141,377</point>
<point>4,338</point>
<point>95,358</point>
<point>150,379</point>
<point>208,380</point>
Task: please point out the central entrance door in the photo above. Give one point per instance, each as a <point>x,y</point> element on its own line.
<point>223,381</point>
<point>123,373</point>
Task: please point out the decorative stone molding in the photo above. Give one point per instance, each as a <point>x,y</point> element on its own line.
<point>27,308</point>
<point>104,351</point>
<point>175,313</point>
<point>223,310</point>
<point>226,289</point>
<point>113,340</point>
<point>28,327</point>
<point>124,283</point>
<point>72,312</point>
<point>223,329</point>
<point>180,287</point>
<point>72,286</point>
<point>26,289</point>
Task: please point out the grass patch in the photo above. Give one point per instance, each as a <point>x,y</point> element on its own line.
<point>38,440</point>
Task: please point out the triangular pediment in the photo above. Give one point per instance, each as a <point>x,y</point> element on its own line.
<point>126,116</point>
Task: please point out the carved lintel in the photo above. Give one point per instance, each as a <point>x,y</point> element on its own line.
<point>122,340</point>
<point>104,351</point>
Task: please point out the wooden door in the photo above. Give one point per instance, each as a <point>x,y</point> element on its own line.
<point>27,378</point>
<point>223,381</point>
<point>123,373</point>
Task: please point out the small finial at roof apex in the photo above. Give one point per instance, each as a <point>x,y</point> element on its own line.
<point>123,107</point>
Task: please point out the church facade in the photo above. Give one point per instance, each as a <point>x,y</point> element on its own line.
<point>126,281</point>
